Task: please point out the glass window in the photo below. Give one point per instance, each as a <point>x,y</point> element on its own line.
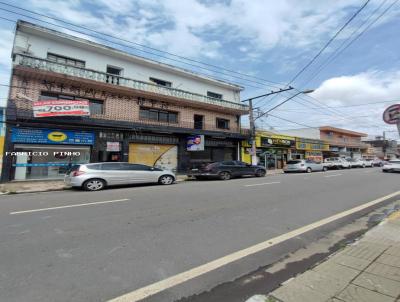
<point>153,115</point>
<point>163,116</point>
<point>228,163</point>
<point>96,107</point>
<point>65,60</point>
<point>214,95</point>
<point>95,167</point>
<point>161,82</point>
<point>112,166</point>
<point>173,117</point>
<point>222,123</point>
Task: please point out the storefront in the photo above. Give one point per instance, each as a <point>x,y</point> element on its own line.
<point>40,153</point>
<point>310,149</point>
<point>273,151</point>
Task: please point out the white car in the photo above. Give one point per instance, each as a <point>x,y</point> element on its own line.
<point>368,162</point>
<point>337,163</point>
<point>356,163</point>
<point>96,176</point>
<point>392,166</point>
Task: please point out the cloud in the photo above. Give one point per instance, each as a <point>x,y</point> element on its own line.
<point>366,87</point>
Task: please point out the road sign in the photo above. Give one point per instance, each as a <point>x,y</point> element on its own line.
<point>392,114</point>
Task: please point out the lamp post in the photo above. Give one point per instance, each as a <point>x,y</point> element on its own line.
<point>252,119</point>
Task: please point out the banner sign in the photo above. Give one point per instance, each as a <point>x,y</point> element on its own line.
<point>195,143</point>
<point>392,114</point>
<point>274,141</point>
<point>50,108</point>
<point>49,136</point>
<point>113,147</point>
<point>311,145</point>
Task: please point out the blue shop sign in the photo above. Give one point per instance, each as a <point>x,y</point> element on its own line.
<point>50,136</point>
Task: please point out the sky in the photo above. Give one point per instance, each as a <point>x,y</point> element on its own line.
<point>266,43</point>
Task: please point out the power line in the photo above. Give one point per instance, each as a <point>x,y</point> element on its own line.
<point>329,42</point>
<point>326,45</point>
<point>348,106</point>
<point>266,82</point>
<point>339,51</point>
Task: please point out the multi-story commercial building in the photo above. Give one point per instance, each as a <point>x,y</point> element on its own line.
<point>102,104</point>
<point>383,148</point>
<point>342,142</point>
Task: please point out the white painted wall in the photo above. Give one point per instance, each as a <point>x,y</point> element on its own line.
<point>98,57</point>
<point>312,133</point>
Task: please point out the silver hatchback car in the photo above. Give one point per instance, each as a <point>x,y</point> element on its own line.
<point>96,176</point>
<point>303,165</point>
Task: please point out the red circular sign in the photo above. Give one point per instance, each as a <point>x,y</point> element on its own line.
<point>392,114</point>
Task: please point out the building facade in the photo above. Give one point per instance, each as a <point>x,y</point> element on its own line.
<point>2,134</point>
<point>342,142</point>
<point>273,150</point>
<point>124,108</point>
<point>383,148</point>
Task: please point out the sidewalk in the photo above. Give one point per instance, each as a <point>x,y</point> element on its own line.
<point>366,271</point>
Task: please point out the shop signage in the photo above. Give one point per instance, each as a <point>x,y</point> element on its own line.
<point>274,141</point>
<point>311,145</point>
<point>49,136</point>
<point>392,114</point>
<point>113,147</point>
<point>50,108</point>
<point>195,143</point>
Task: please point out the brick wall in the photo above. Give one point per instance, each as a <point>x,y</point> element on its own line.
<point>117,107</point>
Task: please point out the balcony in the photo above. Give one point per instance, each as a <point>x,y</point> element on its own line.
<point>346,143</point>
<point>88,74</point>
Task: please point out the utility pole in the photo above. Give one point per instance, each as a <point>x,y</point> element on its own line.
<point>252,122</point>
<point>252,119</point>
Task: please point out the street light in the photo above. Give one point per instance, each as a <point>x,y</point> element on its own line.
<point>252,119</point>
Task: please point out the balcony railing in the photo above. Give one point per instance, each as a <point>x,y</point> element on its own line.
<point>346,143</point>
<point>47,65</point>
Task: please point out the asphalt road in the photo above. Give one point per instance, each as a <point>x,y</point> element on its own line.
<point>90,251</point>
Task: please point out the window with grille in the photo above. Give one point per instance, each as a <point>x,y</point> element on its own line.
<point>158,115</point>
<point>65,60</point>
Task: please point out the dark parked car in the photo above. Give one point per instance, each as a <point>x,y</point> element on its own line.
<point>225,170</point>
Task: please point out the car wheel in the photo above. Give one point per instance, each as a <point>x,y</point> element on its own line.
<point>325,169</point>
<point>94,184</point>
<point>199,177</point>
<point>309,170</point>
<point>260,173</point>
<point>224,175</point>
<point>166,180</point>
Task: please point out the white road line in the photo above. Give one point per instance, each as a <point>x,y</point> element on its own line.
<point>68,206</point>
<point>152,289</point>
<point>333,175</point>
<point>265,183</point>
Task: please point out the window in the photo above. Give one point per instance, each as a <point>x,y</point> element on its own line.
<point>198,121</point>
<point>222,123</point>
<point>214,95</point>
<point>228,163</point>
<point>111,166</point>
<point>135,167</point>
<point>114,70</point>
<point>161,82</point>
<point>65,60</point>
<point>158,115</point>
<point>95,106</point>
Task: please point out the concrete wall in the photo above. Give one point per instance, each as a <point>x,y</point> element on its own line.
<point>312,133</point>
<point>97,58</point>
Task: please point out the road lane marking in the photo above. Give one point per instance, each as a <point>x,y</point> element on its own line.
<point>265,183</point>
<point>333,175</point>
<point>68,206</point>
<point>157,287</point>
